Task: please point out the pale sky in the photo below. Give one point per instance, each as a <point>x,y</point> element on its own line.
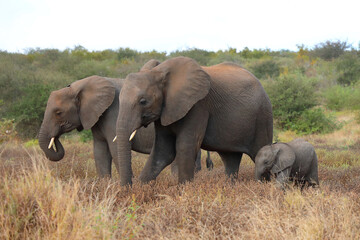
<point>146,25</point>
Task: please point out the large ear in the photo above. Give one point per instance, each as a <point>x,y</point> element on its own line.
<point>150,65</point>
<point>95,95</point>
<point>285,157</point>
<point>185,83</point>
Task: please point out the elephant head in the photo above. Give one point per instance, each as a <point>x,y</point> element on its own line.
<point>164,93</point>
<point>272,159</point>
<point>77,106</point>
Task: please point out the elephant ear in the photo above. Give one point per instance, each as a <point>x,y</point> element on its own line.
<point>285,157</point>
<point>185,83</point>
<point>95,95</point>
<point>150,65</point>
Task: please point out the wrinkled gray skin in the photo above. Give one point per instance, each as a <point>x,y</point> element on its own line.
<point>90,103</point>
<point>295,161</point>
<point>220,108</point>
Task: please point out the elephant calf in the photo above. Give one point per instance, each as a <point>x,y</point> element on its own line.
<point>296,161</point>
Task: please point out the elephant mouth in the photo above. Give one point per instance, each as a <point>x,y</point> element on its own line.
<point>147,119</point>
<point>266,176</point>
<point>68,127</point>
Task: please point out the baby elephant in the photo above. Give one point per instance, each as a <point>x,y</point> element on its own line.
<point>296,161</point>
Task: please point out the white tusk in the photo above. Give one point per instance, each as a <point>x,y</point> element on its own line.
<point>132,135</point>
<point>114,138</point>
<point>51,143</point>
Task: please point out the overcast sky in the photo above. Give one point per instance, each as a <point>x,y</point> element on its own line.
<point>163,25</point>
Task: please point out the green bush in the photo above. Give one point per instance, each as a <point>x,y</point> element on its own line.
<point>314,121</point>
<point>86,136</point>
<point>27,79</point>
<point>339,97</point>
<point>229,55</point>
<point>201,56</point>
<point>255,53</point>
<point>265,68</point>
<point>348,67</point>
<point>28,111</point>
<point>290,96</point>
<point>330,49</point>
<point>126,53</point>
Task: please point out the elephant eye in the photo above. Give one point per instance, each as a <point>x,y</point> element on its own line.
<point>58,113</point>
<point>143,101</point>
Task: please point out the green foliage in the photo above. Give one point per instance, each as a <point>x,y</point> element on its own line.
<point>348,67</point>
<point>201,56</point>
<point>126,54</point>
<point>256,53</point>
<point>32,143</point>
<point>86,136</point>
<point>229,55</point>
<point>339,97</point>
<point>27,79</point>
<point>266,68</point>
<point>290,96</point>
<point>7,130</point>
<point>330,49</point>
<point>315,121</point>
<point>29,110</point>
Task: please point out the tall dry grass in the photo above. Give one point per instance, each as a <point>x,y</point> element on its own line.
<point>65,200</point>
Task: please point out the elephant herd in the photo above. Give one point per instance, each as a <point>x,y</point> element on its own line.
<point>170,110</point>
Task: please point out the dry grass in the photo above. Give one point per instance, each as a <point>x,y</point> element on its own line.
<point>65,200</point>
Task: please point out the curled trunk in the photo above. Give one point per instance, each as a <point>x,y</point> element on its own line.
<point>51,154</point>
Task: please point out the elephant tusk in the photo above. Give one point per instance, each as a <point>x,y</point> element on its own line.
<point>132,135</point>
<point>114,138</point>
<point>51,143</point>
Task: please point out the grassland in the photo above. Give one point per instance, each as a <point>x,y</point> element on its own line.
<point>65,200</point>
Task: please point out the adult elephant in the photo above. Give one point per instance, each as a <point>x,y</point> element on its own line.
<point>221,108</point>
<point>91,103</point>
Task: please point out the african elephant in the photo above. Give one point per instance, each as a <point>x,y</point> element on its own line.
<point>221,108</point>
<point>295,161</point>
<point>90,103</point>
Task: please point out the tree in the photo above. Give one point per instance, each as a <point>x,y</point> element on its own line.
<point>329,50</point>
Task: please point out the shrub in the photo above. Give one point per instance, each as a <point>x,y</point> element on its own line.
<point>330,49</point>
<point>229,55</point>
<point>339,97</point>
<point>315,121</point>
<point>29,110</point>
<point>265,69</point>
<point>290,96</point>
<point>348,67</point>
<point>86,136</point>
<point>255,53</point>
<point>126,53</point>
<point>7,130</point>
<point>201,56</point>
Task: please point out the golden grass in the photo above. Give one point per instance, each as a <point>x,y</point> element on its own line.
<point>40,199</point>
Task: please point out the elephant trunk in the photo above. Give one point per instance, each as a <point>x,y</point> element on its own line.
<point>51,154</point>
<point>124,131</point>
<point>258,175</point>
<point>262,174</point>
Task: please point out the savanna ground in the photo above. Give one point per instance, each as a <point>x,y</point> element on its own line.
<point>40,199</point>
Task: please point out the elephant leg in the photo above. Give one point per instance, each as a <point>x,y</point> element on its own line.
<point>162,154</point>
<point>189,136</point>
<point>102,157</point>
<point>175,167</point>
<point>231,161</point>
<point>198,161</point>
<point>209,163</point>
<point>312,177</point>
<point>283,177</point>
